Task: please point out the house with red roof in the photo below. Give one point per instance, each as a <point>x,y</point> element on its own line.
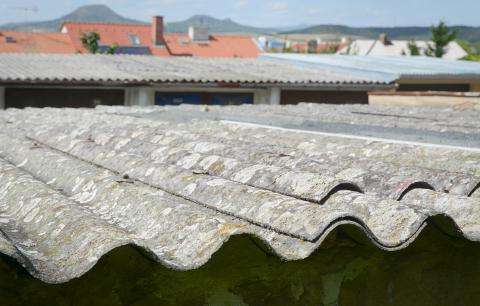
<point>152,39</point>
<point>147,39</point>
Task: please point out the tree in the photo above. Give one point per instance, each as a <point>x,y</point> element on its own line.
<point>413,48</point>
<point>90,42</point>
<point>441,37</point>
<point>472,49</point>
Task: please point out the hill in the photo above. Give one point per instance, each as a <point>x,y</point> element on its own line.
<point>102,13</point>
<point>471,34</point>
<point>214,25</point>
<point>87,13</point>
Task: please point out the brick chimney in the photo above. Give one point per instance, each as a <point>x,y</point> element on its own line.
<point>157,31</point>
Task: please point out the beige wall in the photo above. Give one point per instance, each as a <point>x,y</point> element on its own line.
<point>142,96</point>
<point>475,87</point>
<point>424,100</point>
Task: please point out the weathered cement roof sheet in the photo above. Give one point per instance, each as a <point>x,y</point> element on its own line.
<point>75,184</point>
<point>386,67</point>
<point>135,69</point>
<point>465,120</point>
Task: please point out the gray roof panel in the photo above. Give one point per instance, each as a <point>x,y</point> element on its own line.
<point>75,184</point>
<point>134,69</point>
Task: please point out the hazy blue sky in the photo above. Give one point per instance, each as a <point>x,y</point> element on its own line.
<point>269,12</point>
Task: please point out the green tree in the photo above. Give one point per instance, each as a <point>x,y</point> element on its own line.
<point>91,42</point>
<point>413,48</point>
<point>441,37</point>
<point>472,49</point>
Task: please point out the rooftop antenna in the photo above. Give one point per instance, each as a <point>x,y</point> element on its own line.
<point>25,9</point>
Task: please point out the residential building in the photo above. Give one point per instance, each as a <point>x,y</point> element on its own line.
<point>81,80</point>
<point>383,46</point>
<point>147,39</point>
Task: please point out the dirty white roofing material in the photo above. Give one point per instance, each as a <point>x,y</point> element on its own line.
<point>75,184</point>
<point>138,69</point>
<point>385,67</point>
<point>398,48</point>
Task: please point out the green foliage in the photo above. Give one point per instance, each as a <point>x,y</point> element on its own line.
<point>441,37</point>
<point>413,48</point>
<point>473,50</point>
<point>472,57</point>
<point>91,42</point>
<point>331,49</point>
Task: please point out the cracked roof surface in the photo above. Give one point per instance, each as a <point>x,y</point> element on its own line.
<point>77,183</point>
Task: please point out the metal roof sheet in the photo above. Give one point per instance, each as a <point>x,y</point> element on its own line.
<point>387,66</point>
<point>75,184</point>
<point>149,69</point>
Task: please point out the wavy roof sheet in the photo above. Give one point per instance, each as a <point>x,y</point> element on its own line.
<point>135,69</point>
<point>385,67</point>
<point>76,183</point>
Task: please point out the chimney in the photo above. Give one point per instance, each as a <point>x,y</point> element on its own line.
<point>198,34</point>
<point>157,31</point>
<point>383,38</point>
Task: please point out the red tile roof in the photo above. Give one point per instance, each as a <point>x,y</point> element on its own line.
<point>175,43</point>
<point>26,42</point>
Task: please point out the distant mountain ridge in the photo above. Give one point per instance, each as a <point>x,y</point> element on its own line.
<point>87,13</point>
<point>102,13</point>
<point>214,25</point>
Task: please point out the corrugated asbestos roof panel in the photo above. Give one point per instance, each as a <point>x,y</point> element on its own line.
<point>388,67</point>
<point>75,184</point>
<point>150,69</point>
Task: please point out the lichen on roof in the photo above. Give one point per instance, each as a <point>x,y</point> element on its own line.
<point>77,183</point>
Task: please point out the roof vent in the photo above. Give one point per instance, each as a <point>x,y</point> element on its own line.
<point>198,34</point>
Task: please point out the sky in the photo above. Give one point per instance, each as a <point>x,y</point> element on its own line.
<point>267,13</point>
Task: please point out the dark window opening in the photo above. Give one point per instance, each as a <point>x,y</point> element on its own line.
<point>434,87</point>
<point>57,97</point>
<point>208,98</point>
<point>330,97</point>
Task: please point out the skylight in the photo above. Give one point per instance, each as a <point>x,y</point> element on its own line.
<point>134,39</point>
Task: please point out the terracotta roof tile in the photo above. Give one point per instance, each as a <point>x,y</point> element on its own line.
<point>25,42</point>
<point>176,43</point>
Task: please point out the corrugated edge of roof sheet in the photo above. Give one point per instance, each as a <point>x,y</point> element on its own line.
<point>150,69</point>
<point>119,189</point>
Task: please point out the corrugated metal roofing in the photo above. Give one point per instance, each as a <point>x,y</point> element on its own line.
<point>75,184</point>
<point>150,69</point>
<point>388,67</point>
